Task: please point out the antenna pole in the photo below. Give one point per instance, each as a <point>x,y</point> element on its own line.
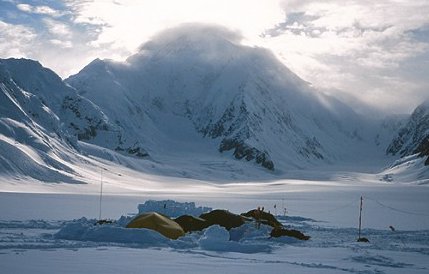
<point>101,192</point>
<point>360,215</point>
<point>283,207</point>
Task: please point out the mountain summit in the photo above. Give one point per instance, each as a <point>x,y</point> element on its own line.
<point>201,84</point>
<point>190,103</point>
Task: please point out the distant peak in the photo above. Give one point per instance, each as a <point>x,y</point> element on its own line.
<point>21,61</point>
<point>95,65</point>
<point>27,70</point>
<point>96,61</point>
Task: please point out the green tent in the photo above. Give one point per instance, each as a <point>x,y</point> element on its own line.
<point>223,218</point>
<point>279,232</point>
<point>159,223</point>
<point>263,217</point>
<point>191,223</point>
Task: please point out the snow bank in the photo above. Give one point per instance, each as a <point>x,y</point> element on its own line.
<point>85,230</point>
<point>250,231</point>
<point>30,224</point>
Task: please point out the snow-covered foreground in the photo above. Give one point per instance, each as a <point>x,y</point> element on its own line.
<point>27,248</point>
<point>40,232</point>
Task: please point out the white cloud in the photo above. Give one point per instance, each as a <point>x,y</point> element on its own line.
<point>355,47</point>
<point>61,43</point>
<point>15,40</point>
<point>57,28</point>
<point>39,10</point>
<point>25,7</point>
<point>127,23</point>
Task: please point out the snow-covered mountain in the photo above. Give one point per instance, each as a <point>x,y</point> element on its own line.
<point>413,137</point>
<point>41,121</point>
<point>32,139</point>
<point>188,103</point>
<point>204,86</point>
<point>411,143</point>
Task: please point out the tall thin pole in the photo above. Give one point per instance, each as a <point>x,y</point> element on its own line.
<point>283,207</point>
<point>101,192</point>
<point>360,215</point>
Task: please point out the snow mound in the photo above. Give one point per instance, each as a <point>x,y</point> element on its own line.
<point>250,231</point>
<point>217,238</point>
<point>30,224</point>
<point>85,230</point>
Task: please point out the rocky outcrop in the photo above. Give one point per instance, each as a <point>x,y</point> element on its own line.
<point>244,151</point>
<point>423,149</point>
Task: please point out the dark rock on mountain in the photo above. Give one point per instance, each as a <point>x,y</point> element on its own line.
<point>242,150</point>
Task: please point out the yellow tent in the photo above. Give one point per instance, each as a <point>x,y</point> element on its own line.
<point>157,222</point>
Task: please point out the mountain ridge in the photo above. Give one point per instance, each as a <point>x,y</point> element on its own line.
<point>184,97</point>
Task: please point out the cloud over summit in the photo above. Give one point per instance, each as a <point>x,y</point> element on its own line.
<point>377,52</point>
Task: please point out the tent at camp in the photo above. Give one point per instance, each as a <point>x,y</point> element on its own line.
<point>263,217</point>
<point>279,232</point>
<point>159,223</point>
<point>191,223</point>
<point>223,218</point>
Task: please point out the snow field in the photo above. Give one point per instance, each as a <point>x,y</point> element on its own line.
<point>47,245</point>
<point>77,246</point>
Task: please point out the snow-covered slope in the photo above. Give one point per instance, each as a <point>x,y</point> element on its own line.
<point>32,140</point>
<point>202,87</point>
<point>411,143</point>
<point>41,120</point>
<point>413,137</point>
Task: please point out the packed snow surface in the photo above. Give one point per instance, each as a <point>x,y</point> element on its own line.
<point>57,241</point>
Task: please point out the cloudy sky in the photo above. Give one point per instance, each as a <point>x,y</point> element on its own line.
<point>375,52</point>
